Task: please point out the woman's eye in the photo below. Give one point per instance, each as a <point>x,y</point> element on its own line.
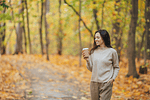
<point>97,38</point>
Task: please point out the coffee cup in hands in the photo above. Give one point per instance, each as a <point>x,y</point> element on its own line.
<point>85,53</point>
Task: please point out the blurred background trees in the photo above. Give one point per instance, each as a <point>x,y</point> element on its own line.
<point>66,26</point>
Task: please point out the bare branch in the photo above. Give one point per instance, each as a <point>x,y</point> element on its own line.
<point>78,15</point>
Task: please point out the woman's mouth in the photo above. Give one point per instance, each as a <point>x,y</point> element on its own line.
<point>97,42</point>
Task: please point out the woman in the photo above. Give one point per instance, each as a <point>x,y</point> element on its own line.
<point>103,62</point>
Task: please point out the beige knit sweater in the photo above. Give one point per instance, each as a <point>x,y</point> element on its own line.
<point>104,64</point>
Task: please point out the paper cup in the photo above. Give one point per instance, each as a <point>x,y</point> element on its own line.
<point>85,50</point>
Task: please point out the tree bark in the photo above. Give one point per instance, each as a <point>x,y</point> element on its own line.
<point>3,39</point>
<point>147,18</point>
<point>19,35</point>
<point>91,39</point>
<point>23,26</point>
<point>131,40</point>
<point>30,47</point>
<point>0,41</point>
<point>80,51</point>
<point>95,15</point>
<point>60,34</point>
<point>140,46</point>
<point>12,13</point>
<point>3,35</point>
<point>41,39</point>
<point>46,27</point>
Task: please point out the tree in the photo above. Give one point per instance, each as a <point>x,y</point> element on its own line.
<point>18,48</point>
<point>80,51</point>
<point>46,26</point>
<point>2,31</point>
<point>60,33</point>
<point>95,15</point>
<point>131,40</point>
<point>0,40</point>
<point>13,21</point>
<point>91,39</point>
<point>78,15</point>
<point>3,39</point>
<point>41,39</point>
<point>2,3</point>
<point>147,38</point>
<point>28,27</point>
<point>23,26</point>
<point>3,34</point>
<point>140,46</point>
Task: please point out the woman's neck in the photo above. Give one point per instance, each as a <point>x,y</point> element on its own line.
<point>102,46</point>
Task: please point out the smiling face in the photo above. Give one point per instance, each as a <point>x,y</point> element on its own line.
<point>98,39</point>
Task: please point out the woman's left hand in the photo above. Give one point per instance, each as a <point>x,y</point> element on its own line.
<point>111,80</point>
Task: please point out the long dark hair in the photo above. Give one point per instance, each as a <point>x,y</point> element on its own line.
<point>106,38</point>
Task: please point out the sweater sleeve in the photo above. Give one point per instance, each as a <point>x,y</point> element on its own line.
<point>115,64</point>
<point>89,63</point>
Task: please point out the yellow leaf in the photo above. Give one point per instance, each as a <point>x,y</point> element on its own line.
<point>137,93</point>
<point>128,95</point>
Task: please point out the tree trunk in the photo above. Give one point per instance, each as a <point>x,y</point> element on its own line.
<point>91,39</point>
<point>23,27</point>
<point>41,39</point>
<point>30,47</point>
<point>3,39</point>
<point>60,33</point>
<point>80,50</point>
<point>95,15</point>
<point>0,41</point>
<point>3,36</point>
<point>147,18</point>
<point>19,35</point>
<point>131,40</point>
<point>46,27</point>
<point>12,13</point>
<point>116,29</point>
<point>102,13</point>
<point>140,46</point>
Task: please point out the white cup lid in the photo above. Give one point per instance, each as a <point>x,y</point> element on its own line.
<point>85,48</point>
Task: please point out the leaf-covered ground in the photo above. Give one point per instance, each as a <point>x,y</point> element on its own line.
<point>31,76</point>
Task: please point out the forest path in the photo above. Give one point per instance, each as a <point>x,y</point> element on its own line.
<point>34,78</point>
<point>46,82</point>
<point>52,85</point>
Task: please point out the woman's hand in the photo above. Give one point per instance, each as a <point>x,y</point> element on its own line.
<point>111,80</point>
<point>85,54</point>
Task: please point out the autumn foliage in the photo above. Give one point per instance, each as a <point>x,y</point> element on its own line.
<point>123,88</point>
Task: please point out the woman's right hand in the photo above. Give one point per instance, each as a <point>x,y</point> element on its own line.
<point>85,54</point>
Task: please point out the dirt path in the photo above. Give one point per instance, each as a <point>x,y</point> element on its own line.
<point>38,79</point>
<point>46,83</point>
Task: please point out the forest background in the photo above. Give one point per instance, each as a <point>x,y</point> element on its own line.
<point>64,27</point>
